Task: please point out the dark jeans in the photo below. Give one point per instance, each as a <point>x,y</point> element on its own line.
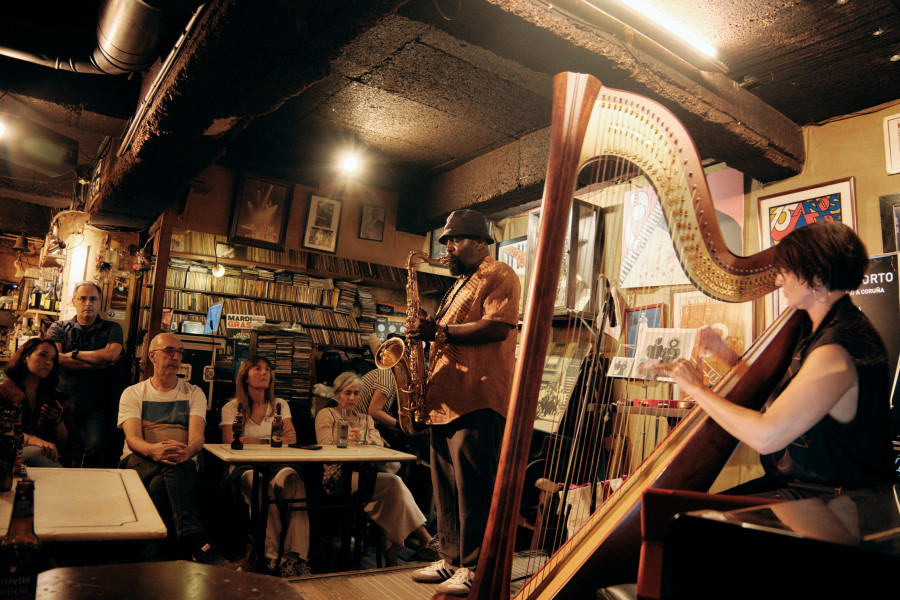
<point>464,457</point>
<point>92,430</point>
<point>172,487</point>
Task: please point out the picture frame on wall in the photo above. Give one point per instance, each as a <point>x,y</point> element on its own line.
<point>371,223</point>
<point>780,214</point>
<point>638,318</point>
<point>437,248</point>
<point>322,223</point>
<point>892,143</point>
<point>260,213</point>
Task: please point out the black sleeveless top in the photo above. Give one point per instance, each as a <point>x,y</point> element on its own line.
<point>854,454</point>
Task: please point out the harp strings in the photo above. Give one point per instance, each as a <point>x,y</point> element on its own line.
<point>607,437</point>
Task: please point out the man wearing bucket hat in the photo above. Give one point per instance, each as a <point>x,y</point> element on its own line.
<point>470,375</point>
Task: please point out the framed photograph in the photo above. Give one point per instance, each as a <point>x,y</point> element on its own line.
<point>437,248</point>
<point>892,143</point>
<point>260,214</point>
<point>640,318</point>
<point>371,224</point>
<point>889,207</point>
<point>780,214</point>
<point>322,224</point>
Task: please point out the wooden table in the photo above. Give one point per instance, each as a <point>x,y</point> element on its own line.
<point>258,456</point>
<point>88,505</point>
<point>175,580</point>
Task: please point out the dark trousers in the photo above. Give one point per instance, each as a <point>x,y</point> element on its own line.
<point>464,457</point>
<point>172,485</point>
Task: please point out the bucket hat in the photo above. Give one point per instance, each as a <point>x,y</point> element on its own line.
<point>466,223</point>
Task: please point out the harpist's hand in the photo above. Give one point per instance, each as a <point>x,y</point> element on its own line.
<point>684,373</point>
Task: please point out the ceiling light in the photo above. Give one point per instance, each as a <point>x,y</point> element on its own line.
<point>878,32</point>
<point>620,9</point>
<point>218,270</point>
<point>895,58</point>
<point>2,128</point>
<point>350,163</point>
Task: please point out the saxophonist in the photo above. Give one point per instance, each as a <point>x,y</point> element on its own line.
<point>473,337</point>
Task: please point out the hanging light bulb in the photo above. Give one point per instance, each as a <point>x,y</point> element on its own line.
<point>218,269</point>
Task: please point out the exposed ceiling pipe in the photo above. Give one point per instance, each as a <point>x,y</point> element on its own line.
<point>129,33</point>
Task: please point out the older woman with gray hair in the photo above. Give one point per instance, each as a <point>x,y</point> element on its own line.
<point>390,505</point>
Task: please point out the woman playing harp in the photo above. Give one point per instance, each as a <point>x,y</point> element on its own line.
<point>634,147</point>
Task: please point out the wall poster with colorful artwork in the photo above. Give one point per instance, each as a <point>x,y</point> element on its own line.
<point>780,214</point>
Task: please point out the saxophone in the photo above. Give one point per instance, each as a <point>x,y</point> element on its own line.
<point>407,361</point>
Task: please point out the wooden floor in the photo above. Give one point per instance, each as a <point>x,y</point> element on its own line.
<point>391,583</point>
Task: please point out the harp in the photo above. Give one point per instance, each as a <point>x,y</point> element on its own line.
<point>591,123</point>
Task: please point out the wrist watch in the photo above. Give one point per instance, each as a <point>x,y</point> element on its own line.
<point>442,335</point>
<point>75,354</point>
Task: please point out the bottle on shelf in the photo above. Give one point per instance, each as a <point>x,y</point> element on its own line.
<point>343,429</point>
<point>20,549</point>
<point>277,427</point>
<point>237,432</point>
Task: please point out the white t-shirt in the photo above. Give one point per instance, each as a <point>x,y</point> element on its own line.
<point>252,429</point>
<point>162,414</point>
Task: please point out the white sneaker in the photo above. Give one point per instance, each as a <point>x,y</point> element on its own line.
<point>436,572</point>
<point>459,584</point>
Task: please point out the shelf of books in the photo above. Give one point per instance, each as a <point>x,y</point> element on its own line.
<point>291,355</point>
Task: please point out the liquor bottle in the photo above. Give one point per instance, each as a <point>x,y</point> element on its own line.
<point>343,429</point>
<point>237,432</point>
<point>277,427</point>
<point>20,550</point>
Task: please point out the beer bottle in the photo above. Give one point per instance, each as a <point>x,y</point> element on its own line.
<point>237,432</point>
<point>277,427</point>
<point>8,451</point>
<point>19,437</point>
<point>343,429</point>
<point>20,549</point>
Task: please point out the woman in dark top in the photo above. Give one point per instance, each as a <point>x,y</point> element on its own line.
<point>32,374</point>
<point>828,426</point>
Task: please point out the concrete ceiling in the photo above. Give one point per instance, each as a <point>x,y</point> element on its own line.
<point>449,99</point>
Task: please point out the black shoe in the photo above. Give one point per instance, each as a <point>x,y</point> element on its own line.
<point>208,555</point>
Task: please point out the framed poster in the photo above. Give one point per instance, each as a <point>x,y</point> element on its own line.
<point>371,224</point>
<point>892,143</point>
<point>322,224</point>
<point>260,213</point>
<point>637,319</point>
<point>648,256</point>
<point>889,207</point>
<point>780,214</point>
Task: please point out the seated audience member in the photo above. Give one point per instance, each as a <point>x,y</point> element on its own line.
<point>255,399</point>
<point>33,372</point>
<point>828,427</point>
<point>163,419</point>
<point>391,505</point>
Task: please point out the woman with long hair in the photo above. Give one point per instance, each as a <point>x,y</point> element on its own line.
<point>255,400</point>
<point>32,374</point>
<point>391,506</point>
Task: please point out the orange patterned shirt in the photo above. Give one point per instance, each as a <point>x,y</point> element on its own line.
<point>465,378</point>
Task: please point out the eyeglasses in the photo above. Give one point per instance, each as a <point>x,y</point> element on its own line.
<point>170,351</point>
<point>84,299</point>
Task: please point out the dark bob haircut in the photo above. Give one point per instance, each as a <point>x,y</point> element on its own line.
<point>17,369</point>
<point>828,250</point>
